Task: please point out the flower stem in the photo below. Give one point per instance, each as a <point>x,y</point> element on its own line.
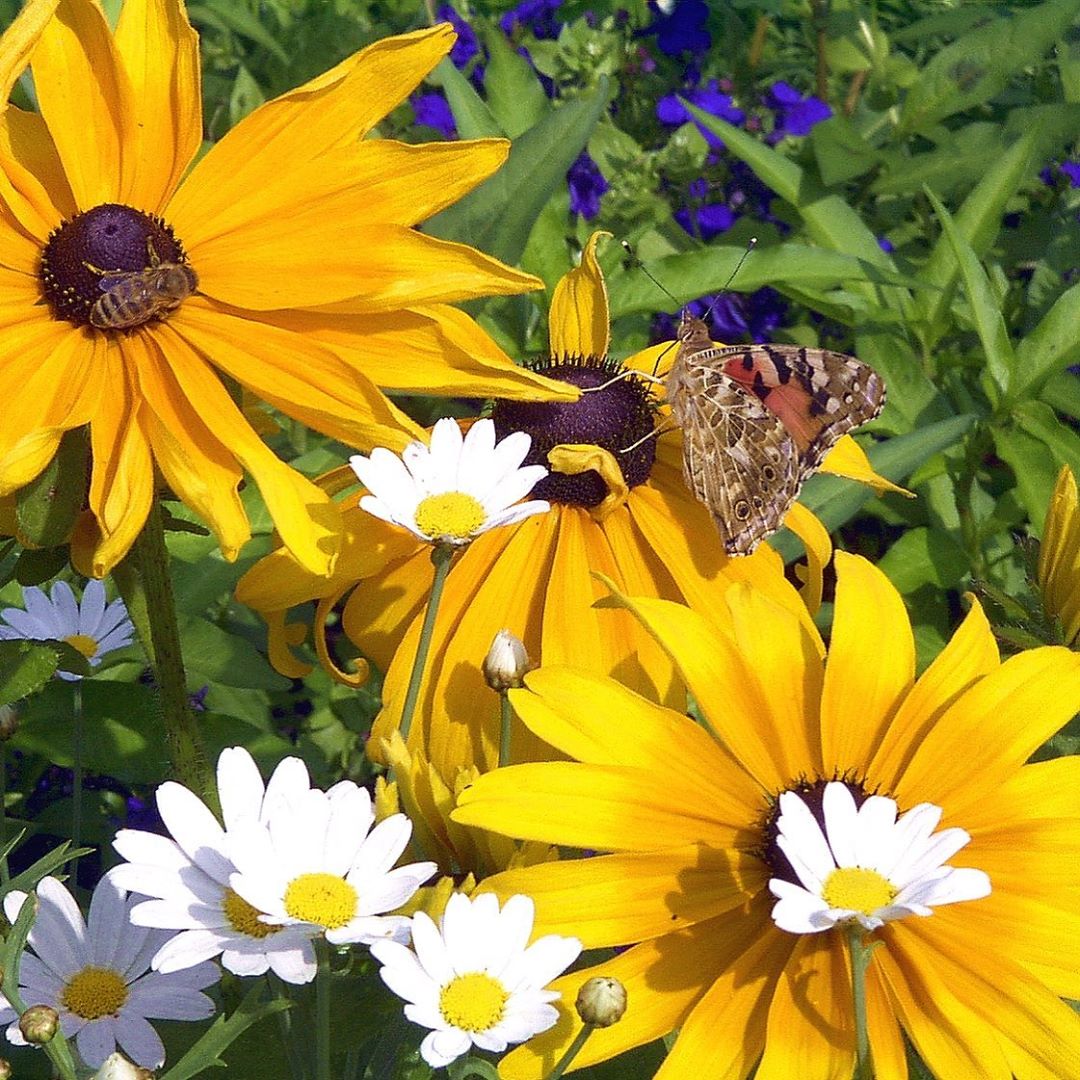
<point>506,715</point>
<point>182,736</point>
<point>322,1012</point>
<point>571,1052</point>
<point>5,873</point>
<point>861,952</point>
<point>441,554</point>
<point>77,764</point>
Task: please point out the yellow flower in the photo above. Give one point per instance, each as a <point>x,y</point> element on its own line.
<point>1059,556</point>
<point>689,816</point>
<point>285,259</point>
<point>634,521</point>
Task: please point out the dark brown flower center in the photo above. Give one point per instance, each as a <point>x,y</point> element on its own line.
<point>115,268</point>
<point>616,418</point>
<point>813,794</point>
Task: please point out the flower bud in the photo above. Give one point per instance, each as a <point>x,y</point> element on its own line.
<point>117,1067</point>
<point>601,1001</point>
<point>39,1024</point>
<point>6,1071</point>
<point>506,662</point>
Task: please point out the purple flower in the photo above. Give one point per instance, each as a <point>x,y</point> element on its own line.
<point>682,29</point>
<point>536,15</point>
<point>670,110</point>
<point>433,111</point>
<point>467,45</point>
<point>885,244</point>
<point>1072,170</point>
<point>706,221</point>
<point>731,316</point>
<point>587,184</point>
<point>795,115</point>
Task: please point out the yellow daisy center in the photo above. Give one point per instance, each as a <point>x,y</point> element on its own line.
<point>83,644</point>
<point>324,899</point>
<point>94,992</point>
<point>473,1002</point>
<point>244,917</point>
<point>857,889</point>
<point>452,514</point>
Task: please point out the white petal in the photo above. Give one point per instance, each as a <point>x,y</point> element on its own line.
<point>841,823</point>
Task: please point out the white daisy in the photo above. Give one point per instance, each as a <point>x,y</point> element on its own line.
<point>316,863</point>
<point>95,975</point>
<point>189,875</point>
<point>475,980</point>
<point>91,627</point>
<point>866,865</point>
<point>455,489</point>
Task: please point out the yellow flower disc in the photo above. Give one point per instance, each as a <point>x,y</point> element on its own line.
<point>325,899</point>
<point>83,644</point>
<point>94,992</point>
<point>244,917</point>
<point>452,514</point>
<point>473,1002</point>
<point>857,889</point>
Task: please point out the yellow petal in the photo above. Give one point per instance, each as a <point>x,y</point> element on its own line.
<point>299,377</point>
<point>332,110</point>
<point>193,461</point>
<point>304,516</point>
<point>970,654</point>
<point>308,260</point>
<point>575,458</point>
<point>599,721</point>
<point>20,258</point>
<point>86,98</point>
<point>607,808</point>
<point>847,458</point>
<point>34,184</point>
<point>871,665</point>
<point>160,54</point>
<point>579,323</point>
<point>815,538</point>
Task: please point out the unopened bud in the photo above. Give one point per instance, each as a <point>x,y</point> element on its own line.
<point>6,1071</point>
<point>601,1001</point>
<point>506,663</point>
<point>39,1024</point>
<point>9,722</point>
<point>117,1067</point>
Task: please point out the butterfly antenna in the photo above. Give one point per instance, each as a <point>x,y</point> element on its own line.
<point>635,261</point>
<point>750,245</point>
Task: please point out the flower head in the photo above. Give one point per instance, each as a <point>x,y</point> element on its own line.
<point>95,974</point>
<point>794,114</point>
<point>671,110</point>
<point>89,626</point>
<point>1059,556</point>
<point>690,880</point>
<point>587,184</point>
<point>680,27</point>
<point>188,875</point>
<point>455,489</point>
<point>315,863</point>
<point>285,258</point>
<point>433,110</point>
<point>475,980</point>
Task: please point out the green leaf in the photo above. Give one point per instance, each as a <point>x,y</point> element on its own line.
<point>214,655</point>
<point>1062,392</point>
<point>25,666</point>
<point>35,566</point>
<point>924,556</point>
<point>237,17</point>
<point>979,65</point>
<point>246,96</point>
<point>206,1053</point>
<point>515,95</point>
<point>1049,348</point>
<point>977,222</point>
<point>840,151</point>
<point>989,322</point>
<point>835,500</point>
<point>47,507</point>
<point>499,215</point>
<point>1034,469</point>
<point>471,115</point>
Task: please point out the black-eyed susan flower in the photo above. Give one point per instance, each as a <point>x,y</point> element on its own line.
<point>628,516</point>
<point>1059,556</point>
<point>687,820</point>
<point>475,979</point>
<point>285,260</point>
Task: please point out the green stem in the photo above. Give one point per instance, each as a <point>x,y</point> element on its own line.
<point>322,1013</point>
<point>441,554</point>
<point>572,1052</point>
<point>77,765</point>
<point>861,952</point>
<point>182,736</point>
<point>506,714</point>
<point>5,873</point>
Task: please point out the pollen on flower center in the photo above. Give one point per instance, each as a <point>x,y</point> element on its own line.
<point>473,1002</point>
<point>94,992</point>
<point>83,644</point>
<point>452,514</point>
<point>855,888</point>
<point>244,917</point>
<point>324,899</point>
<point>616,418</point>
<point>114,268</point>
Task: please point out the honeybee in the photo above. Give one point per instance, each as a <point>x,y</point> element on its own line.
<point>132,297</point>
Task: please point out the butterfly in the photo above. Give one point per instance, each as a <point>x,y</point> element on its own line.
<point>757,420</point>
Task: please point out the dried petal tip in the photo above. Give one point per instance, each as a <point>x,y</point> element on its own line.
<point>9,722</point>
<point>6,1071</point>
<point>601,1001</point>
<point>39,1024</point>
<point>117,1067</point>
<point>506,663</point>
